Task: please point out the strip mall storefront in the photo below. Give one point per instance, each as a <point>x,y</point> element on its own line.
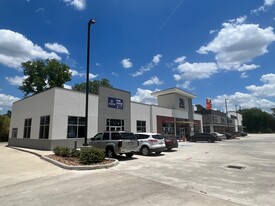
<point>56,116</point>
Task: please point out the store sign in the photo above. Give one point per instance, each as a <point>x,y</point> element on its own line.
<point>115,103</point>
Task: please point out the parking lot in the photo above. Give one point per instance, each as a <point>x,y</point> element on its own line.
<point>231,172</point>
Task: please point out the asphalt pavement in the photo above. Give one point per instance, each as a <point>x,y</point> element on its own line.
<point>193,174</point>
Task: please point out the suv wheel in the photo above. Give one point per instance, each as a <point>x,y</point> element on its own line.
<point>145,150</point>
<point>110,152</point>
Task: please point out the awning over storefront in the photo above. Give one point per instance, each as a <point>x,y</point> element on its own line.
<point>180,122</point>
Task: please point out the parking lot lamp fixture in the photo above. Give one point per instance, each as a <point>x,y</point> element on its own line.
<point>91,21</point>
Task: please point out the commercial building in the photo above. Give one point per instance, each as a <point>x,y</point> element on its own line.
<point>57,116</point>
<point>217,121</point>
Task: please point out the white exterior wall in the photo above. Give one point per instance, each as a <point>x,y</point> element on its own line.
<point>140,112</point>
<point>72,103</point>
<point>32,107</point>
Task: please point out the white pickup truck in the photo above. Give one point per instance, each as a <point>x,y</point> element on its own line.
<point>115,142</point>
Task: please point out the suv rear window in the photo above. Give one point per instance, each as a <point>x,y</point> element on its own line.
<point>142,136</point>
<point>157,136</point>
<point>126,135</point>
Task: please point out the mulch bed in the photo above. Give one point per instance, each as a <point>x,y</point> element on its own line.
<point>74,161</point>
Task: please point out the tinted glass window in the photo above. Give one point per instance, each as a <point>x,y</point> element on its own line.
<point>115,136</point>
<point>98,136</point>
<point>157,136</point>
<point>142,136</point>
<point>128,135</point>
<point>105,136</point>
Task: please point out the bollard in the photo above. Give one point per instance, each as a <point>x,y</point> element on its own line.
<point>75,144</point>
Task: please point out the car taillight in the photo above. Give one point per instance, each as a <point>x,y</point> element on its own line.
<point>119,144</point>
<point>169,141</point>
<point>153,140</point>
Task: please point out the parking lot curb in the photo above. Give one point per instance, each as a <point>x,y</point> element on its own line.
<point>84,167</point>
<point>69,167</point>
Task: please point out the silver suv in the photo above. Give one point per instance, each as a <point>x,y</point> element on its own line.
<point>115,142</point>
<point>150,142</point>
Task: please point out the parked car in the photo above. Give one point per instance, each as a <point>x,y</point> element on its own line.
<point>219,136</point>
<point>228,135</point>
<point>202,137</point>
<point>150,142</point>
<point>116,142</point>
<point>170,142</point>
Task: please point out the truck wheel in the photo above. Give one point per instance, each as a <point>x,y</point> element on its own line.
<point>129,155</point>
<point>110,152</point>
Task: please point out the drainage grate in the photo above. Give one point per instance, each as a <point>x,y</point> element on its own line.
<point>235,167</point>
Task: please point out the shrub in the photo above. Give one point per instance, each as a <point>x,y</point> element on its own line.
<point>91,155</point>
<point>57,150</point>
<point>75,153</point>
<point>62,151</point>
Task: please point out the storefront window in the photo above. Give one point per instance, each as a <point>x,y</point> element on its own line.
<point>14,132</point>
<point>27,128</point>
<point>76,127</point>
<point>141,126</point>
<point>44,127</point>
<point>168,128</point>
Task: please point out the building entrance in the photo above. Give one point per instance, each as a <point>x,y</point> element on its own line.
<point>115,125</point>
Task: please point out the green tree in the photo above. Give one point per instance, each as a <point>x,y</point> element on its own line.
<point>4,127</point>
<point>93,86</point>
<point>42,75</point>
<point>256,120</point>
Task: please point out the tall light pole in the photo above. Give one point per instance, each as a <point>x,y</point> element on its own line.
<point>237,118</point>
<point>226,114</point>
<point>91,21</point>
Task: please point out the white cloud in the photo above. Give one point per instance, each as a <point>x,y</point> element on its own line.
<point>57,48</point>
<point>67,86</point>
<point>76,73</point>
<point>16,48</point>
<point>238,43</point>
<point>186,85</point>
<point>269,2</point>
<point>144,96</point>
<point>92,76</point>
<point>191,71</point>
<point>155,61</point>
<point>17,81</point>
<point>126,63</point>
<point>263,8</point>
<point>243,100</point>
<point>253,99</point>
<point>180,60</point>
<point>153,80</point>
<point>7,100</point>
<point>267,89</point>
<point>247,67</point>
<point>244,75</point>
<point>78,4</point>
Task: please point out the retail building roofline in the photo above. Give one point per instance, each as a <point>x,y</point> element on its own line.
<point>173,90</point>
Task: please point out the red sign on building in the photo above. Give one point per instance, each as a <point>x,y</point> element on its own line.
<point>208,104</point>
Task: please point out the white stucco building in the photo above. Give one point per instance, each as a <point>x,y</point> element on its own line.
<point>57,116</point>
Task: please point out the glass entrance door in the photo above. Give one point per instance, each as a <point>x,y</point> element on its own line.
<point>115,125</point>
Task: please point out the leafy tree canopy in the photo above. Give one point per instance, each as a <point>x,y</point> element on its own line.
<point>42,75</point>
<point>93,86</point>
<point>256,120</point>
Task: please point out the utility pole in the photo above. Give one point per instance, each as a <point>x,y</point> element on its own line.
<point>226,114</point>
<point>237,118</point>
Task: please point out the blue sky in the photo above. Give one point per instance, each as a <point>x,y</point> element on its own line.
<point>213,49</point>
